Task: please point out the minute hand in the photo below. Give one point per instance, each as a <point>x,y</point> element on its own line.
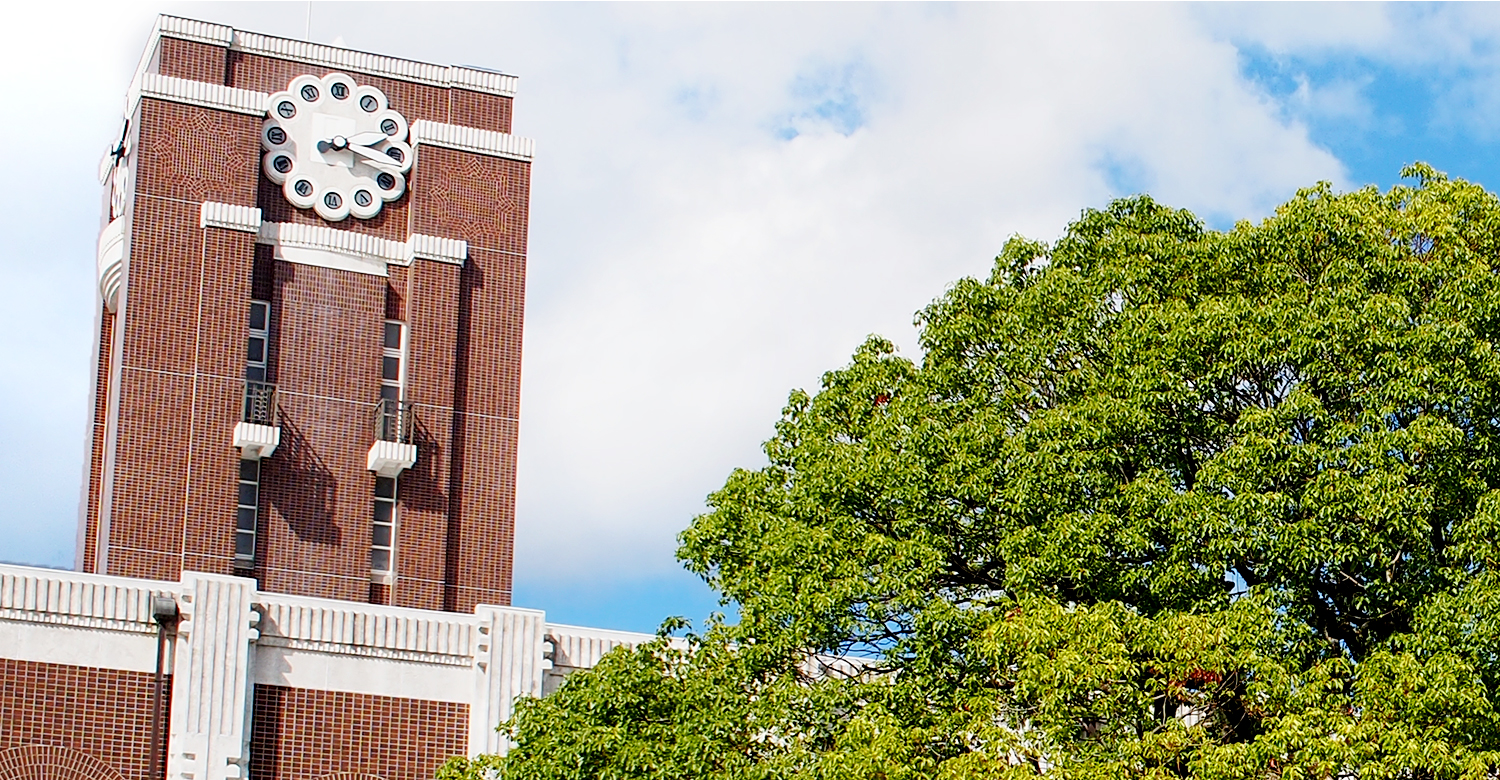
<point>375,157</point>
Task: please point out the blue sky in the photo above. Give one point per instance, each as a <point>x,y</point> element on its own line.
<point>728,198</point>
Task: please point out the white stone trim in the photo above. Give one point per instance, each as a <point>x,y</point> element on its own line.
<point>201,93</point>
<point>371,249</point>
<point>194,30</point>
<point>578,647</point>
<point>230,217</point>
<point>336,58</point>
<point>350,251</point>
<point>390,458</point>
<point>74,599</point>
<point>377,676</point>
<point>49,642</point>
<point>256,441</point>
<point>111,262</point>
<point>343,628</point>
<point>472,139</point>
<point>443,250</point>
<point>511,663</point>
<point>209,736</point>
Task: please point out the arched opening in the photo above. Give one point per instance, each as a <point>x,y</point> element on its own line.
<point>53,762</point>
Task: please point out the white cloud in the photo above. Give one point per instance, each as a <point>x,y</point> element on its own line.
<point>690,261</point>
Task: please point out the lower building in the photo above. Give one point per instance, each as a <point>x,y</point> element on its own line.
<point>231,682</point>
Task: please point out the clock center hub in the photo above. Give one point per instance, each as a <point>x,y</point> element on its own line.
<point>340,142</point>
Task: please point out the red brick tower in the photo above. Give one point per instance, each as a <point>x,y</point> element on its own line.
<point>312,275</point>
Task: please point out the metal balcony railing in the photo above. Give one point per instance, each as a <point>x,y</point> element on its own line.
<point>393,421</point>
<point>260,404</point>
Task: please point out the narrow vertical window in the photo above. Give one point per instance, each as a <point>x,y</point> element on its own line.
<point>256,353</point>
<point>382,541</point>
<point>249,503</point>
<point>259,408</point>
<point>393,362</point>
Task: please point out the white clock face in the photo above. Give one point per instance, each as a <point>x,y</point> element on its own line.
<point>335,147</point>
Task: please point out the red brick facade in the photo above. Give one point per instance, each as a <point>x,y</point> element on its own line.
<point>161,495</point>
<point>60,722</point>
<point>302,734</point>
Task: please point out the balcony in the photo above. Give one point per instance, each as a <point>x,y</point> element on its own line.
<point>393,451</point>
<point>259,430</point>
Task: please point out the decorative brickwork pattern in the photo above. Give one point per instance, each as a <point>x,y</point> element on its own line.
<point>196,154</point>
<point>300,733</point>
<point>49,762</point>
<point>61,722</point>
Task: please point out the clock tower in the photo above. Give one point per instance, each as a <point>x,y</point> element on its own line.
<point>311,286</point>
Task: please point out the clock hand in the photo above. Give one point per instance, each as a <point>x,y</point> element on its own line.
<point>374,158</point>
<point>367,139</point>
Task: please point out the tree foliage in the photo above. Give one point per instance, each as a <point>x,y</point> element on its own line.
<point>1157,501</point>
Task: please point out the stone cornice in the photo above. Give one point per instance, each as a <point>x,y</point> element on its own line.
<point>471,139</point>
<point>79,600</point>
<point>473,79</point>
<point>362,246</point>
<point>200,93</point>
<point>230,217</point>
<point>339,628</point>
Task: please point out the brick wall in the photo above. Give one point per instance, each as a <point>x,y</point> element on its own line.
<point>88,550</point>
<point>301,734</point>
<point>101,713</point>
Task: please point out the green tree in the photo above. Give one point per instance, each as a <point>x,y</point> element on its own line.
<point>1157,501</point>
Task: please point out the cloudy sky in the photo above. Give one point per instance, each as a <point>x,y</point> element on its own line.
<point>728,198</point>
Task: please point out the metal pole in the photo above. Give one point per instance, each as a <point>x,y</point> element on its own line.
<point>161,652</point>
<point>164,612</point>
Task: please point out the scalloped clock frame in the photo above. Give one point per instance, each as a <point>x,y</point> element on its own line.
<point>335,147</point>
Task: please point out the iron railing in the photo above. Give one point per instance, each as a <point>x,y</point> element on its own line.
<point>393,421</point>
<point>260,404</point>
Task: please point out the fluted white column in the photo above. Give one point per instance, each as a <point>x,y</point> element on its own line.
<point>211,679</point>
<point>508,664</point>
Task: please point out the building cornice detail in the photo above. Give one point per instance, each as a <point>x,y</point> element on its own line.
<point>201,93</point>
<point>472,139</point>
<point>473,79</point>
<point>246,219</point>
<point>362,246</point>
<point>80,600</point>
<point>391,632</point>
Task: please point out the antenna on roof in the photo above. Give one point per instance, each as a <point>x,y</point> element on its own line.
<point>307,33</point>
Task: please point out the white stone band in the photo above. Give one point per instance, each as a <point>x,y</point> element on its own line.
<point>229,217</point>
<point>201,93</point>
<point>472,139</point>
<point>338,59</point>
<point>350,251</point>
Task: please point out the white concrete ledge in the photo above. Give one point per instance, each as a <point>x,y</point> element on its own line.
<point>256,441</point>
<point>230,217</point>
<point>472,139</point>
<point>202,93</point>
<point>389,458</point>
<point>350,251</point>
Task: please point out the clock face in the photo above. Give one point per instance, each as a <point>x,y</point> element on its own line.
<point>335,147</point>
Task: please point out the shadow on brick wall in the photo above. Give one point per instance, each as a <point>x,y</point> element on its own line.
<point>307,488</point>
